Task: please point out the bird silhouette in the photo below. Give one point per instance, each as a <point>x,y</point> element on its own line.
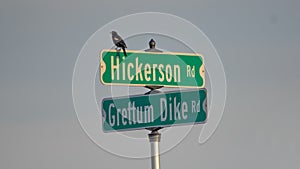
<point>118,41</point>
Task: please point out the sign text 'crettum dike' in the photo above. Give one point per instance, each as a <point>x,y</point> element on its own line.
<point>154,110</point>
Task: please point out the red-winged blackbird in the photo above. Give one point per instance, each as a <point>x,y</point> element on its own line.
<point>118,41</point>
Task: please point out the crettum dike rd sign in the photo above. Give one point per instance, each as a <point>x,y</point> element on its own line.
<point>141,68</point>
<point>154,110</point>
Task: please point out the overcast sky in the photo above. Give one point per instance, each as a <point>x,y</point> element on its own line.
<point>258,42</point>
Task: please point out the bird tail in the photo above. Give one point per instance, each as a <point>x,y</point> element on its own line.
<point>124,51</point>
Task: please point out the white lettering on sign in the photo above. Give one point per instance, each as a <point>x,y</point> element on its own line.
<point>111,118</point>
<point>144,72</point>
<point>168,109</point>
<point>130,115</point>
<point>190,71</point>
<point>176,110</point>
<point>195,106</point>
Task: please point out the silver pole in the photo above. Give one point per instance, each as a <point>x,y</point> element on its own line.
<point>154,138</point>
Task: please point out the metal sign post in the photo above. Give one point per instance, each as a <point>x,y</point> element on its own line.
<point>154,139</point>
<point>154,136</point>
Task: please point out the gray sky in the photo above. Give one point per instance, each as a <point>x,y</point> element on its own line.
<point>258,42</point>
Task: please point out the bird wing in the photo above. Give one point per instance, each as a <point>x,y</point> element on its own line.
<point>115,39</point>
<point>122,44</point>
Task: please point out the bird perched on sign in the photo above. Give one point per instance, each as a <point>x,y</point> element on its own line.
<point>118,41</point>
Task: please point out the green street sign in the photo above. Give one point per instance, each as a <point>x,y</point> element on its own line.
<point>141,68</point>
<point>154,110</point>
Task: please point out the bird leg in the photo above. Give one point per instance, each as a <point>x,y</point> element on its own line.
<point>118,49</point>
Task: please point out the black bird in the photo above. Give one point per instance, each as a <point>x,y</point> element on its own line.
<point>118,41</point>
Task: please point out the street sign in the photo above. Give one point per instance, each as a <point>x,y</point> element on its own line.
<point>154,110</point>
<point>141,68</point>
